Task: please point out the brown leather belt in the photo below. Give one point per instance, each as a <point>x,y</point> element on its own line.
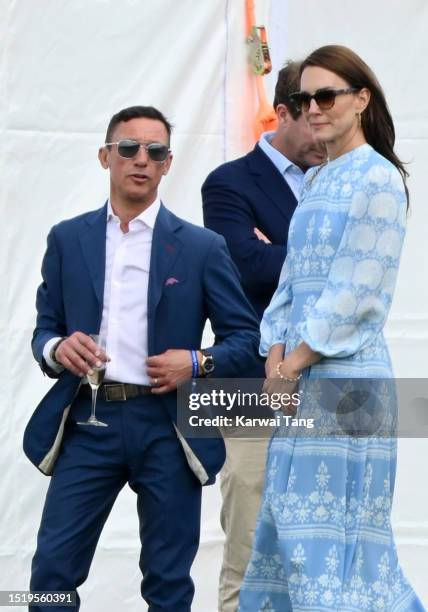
<point>112,391</point>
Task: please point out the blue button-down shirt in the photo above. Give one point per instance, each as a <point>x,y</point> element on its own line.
<point>291,173</point>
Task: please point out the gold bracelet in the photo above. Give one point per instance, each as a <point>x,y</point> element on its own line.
<point>278,371</point>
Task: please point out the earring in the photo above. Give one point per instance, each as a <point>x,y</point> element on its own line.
<point>359,119</point>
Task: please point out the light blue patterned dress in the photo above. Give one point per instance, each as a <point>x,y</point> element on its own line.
<point>324,538</point>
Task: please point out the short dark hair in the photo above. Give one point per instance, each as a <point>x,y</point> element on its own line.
<point>135,112</point>
<point>288,82</point>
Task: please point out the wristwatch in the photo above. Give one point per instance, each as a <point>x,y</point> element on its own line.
<point>207,363</point>
<point>53,350</point>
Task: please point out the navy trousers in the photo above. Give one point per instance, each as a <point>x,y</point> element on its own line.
<point>139,447</point>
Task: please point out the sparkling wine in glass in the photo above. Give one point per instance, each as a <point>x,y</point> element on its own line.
<point>95,379</point>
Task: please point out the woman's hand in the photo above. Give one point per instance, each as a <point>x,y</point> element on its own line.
<point>290,366</point>
<point>275,355</point>
<point>287,369</point>
<point>276,386</point>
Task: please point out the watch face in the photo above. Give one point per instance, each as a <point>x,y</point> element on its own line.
<point>208,364</point>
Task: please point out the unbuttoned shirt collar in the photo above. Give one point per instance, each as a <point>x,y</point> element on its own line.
<point>291,173</point>
<point>147,217</point>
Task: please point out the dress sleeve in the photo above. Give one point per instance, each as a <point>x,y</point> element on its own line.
<point>353,306</point>
<point>274,324</point>
<point>273,327</point>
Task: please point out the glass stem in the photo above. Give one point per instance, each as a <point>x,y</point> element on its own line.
<point>94,389</point>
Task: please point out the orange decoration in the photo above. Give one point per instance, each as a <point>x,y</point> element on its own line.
<point>265,119</point>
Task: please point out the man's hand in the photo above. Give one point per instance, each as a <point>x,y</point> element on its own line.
<point>260,235</point>
<point>169,369</point>
<point>78,353</point>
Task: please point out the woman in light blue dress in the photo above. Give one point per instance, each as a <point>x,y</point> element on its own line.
<point>324,538</point>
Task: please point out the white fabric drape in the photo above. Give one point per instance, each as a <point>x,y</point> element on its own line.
<point>65,68</point>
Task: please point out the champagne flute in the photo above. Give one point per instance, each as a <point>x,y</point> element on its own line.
<point>95,379</point>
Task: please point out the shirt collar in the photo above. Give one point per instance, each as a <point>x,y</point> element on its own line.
<point>277,158</point>
<point>148,216</point>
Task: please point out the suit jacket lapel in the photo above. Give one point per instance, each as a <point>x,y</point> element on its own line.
<point>166,247</point>
<point>270,181</point>
<point>93,242</point>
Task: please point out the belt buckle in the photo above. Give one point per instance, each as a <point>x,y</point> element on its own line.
<point>115,392</point>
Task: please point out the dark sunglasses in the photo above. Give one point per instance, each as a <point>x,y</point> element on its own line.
<point>325,98</point>
<point>156,151</point>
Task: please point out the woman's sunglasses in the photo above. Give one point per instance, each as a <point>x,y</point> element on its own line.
<point>156,151</point>
<point>325,98</point>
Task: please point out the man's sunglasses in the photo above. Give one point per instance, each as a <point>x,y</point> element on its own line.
<point>156,151</point>
<point>325,98</point>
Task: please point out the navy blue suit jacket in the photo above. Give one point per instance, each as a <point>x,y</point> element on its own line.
<point>243,194</point>
<point>70,299</point>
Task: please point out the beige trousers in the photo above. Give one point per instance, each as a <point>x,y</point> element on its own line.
<point>241,481</point>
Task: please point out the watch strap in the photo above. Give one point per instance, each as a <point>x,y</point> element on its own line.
<point>54,348</point>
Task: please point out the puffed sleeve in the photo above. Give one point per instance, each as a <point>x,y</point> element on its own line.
<point>353,306</point>
<point>273,327</point>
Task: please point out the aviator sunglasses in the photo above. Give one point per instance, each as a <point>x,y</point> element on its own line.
<point>156,151</point>
<point>325,98</point>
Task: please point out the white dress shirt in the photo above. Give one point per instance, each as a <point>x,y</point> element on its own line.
<point>124,316</point>
<point>292,174</point>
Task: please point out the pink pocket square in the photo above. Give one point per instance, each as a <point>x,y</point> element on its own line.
<point>171,281</point>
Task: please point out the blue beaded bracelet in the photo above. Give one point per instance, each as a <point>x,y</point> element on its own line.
<point>195,364</point>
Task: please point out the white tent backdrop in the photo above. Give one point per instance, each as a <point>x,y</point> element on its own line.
<point>65,67</point>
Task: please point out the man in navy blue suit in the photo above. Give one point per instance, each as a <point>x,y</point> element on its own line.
<point>147,281</point>
<point>250,201</point>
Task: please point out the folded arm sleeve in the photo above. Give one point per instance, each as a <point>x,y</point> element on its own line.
<point>353,306</point>
<point>229,213</point>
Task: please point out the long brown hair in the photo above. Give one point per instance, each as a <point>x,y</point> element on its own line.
<point>376,120</point>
